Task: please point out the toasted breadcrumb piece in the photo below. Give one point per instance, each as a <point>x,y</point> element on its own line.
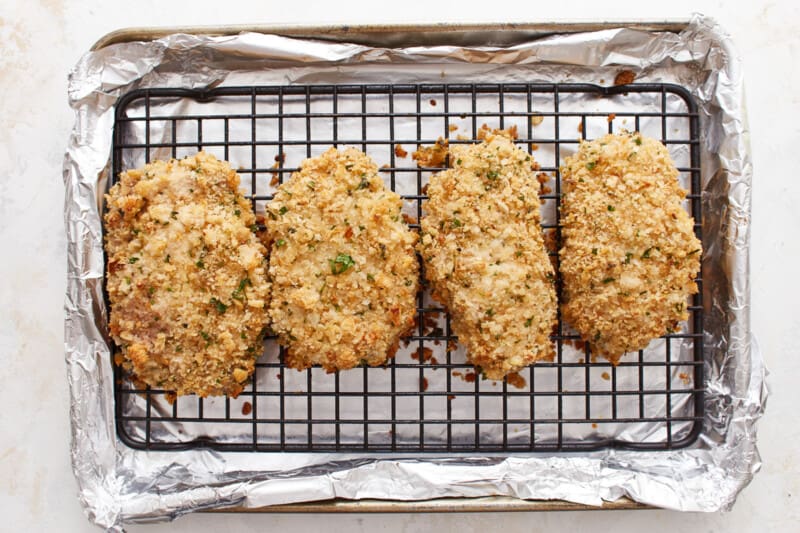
<point>187,277</point>
<point>485,257</point>
<point>343,267</point>
<point>629,255</point>
<point>431,156</point>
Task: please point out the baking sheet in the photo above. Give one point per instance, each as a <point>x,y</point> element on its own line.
<point>120,484</point>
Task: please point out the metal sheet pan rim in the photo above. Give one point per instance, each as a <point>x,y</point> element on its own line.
<point>358,32</point>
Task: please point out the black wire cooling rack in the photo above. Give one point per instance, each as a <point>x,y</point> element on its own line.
<point>427,399</point>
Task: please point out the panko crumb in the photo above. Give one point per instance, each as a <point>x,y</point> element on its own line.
<point>485,257</point>
<point>342,264</point>
<point>485,131</point>
<point>624,77</point>
<point>629,255</point>
<point>399,151</point>
<point>187,278</point>
<point>431,156</point>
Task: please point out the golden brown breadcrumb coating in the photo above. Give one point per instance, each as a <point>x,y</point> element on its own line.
<point>342,264</point>
<point>629,255</point>
<point>485,257</point>
<point>187,277</point>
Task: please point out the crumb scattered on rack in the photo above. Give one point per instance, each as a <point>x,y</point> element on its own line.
<point>624,77</point>
<point>431,156</point>
<point>515,380</point>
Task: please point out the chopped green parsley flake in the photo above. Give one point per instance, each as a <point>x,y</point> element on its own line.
<point>220,307</point>
<point>341,263</point>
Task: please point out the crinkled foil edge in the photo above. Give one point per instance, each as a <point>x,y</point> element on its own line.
<point>118,484</point>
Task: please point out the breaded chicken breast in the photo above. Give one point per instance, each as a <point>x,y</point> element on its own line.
<point>629,255</point>
<point>187,278</point>
<point>485,257</point>
<point>342,264</point>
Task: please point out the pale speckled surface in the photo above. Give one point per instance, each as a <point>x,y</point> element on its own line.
<point>39,43</point>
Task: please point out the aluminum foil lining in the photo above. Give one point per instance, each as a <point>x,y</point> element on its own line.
<point>118,484</point>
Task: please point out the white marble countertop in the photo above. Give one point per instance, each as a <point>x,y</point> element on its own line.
<point>41,40</point>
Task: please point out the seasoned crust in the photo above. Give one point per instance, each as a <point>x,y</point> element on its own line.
<point>485,257</point>
<point>186,276</point>
<point>629,255</point>
<point>343,266</point>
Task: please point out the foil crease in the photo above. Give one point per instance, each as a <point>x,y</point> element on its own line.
<point>118,484</point>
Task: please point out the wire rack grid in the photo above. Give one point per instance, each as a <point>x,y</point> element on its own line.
<point>427,398</point>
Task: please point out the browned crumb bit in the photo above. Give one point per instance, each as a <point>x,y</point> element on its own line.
<point>434,361</point>
<point>594,425</point>
<point>451,397</point>
<point>408,219</point>
<point>384,168</point>
<point>399,151</point>
<point>279,159</point>
<point>279,376</point>
<point>605,376</point>
<point>534,147</point>
<point>581,360</point>
<point>515,380</point>
<point>247,408</point>
<point>624,77</point>
<point>431,156</point>
<point>171,397</point>
<point>452,127</point>
<point>470,377</point>
<point>461,137</point>
<point>485,131</point>
<point>457,374</point>
<point>451,346</point>
<point>684,377</point>
<point>422,355</point>
<point>611,117</point>
<point>550,240</point>
<point>536,120</point>
<point>423,384</point>
<point>432,101</point>
<point>580,127</point>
